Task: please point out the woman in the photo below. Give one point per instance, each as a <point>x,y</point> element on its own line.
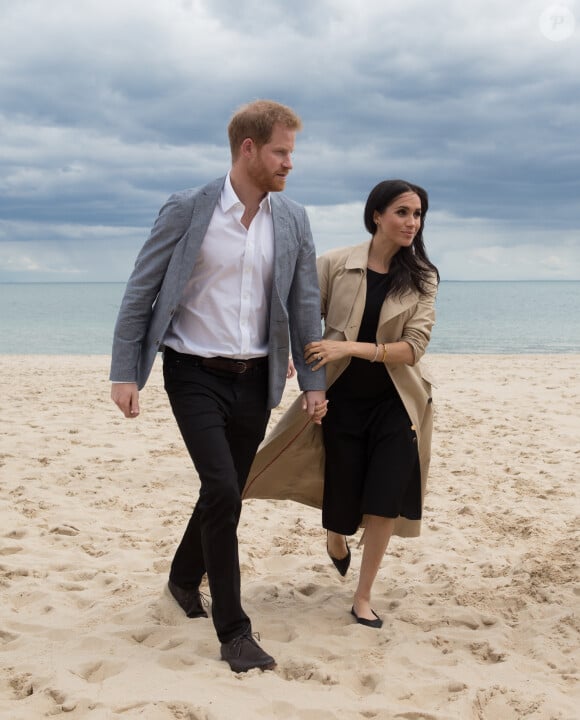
<point>378,308</point>
<point>382,293</point>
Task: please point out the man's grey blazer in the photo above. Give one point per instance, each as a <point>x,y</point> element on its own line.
<point>165,264</point>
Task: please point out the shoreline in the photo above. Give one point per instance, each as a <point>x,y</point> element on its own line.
<point>480,611</point>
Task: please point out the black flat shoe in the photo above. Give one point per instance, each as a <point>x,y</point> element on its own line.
<point>190,601</point>
<point>378,623</point>
<point>343,564</point>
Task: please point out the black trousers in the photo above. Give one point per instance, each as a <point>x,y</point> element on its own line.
<point>222,417</point>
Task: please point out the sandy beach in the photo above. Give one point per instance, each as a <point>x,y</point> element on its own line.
<point>481,611</point>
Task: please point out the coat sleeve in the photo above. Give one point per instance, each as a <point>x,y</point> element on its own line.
<point>143,286</point>
<point>417,330</point>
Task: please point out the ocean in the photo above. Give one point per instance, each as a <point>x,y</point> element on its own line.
<point>472,318</point>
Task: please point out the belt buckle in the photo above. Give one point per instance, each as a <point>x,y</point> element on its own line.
<point>240,367</point>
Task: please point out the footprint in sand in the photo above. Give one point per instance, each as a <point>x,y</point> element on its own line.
<point>162,711</point>
<point>282,709</point>
<point>65,529</point>
<point>7,637</point>
<point>21,685</point>
<point>483,651</point>
<point>308,589</point>
<point>305,672</point>
<point>16,534</point>
<point>97,672</point>
<point>502,702</point>
<point>12,550</point>
<point>65,704</point>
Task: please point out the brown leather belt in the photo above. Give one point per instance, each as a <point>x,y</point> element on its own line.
<point>229,365</point>
<point>239,367</point>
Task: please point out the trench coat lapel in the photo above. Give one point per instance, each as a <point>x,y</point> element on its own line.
<point>394,306</point>
<point>348,306</point>
<point>351,303</point>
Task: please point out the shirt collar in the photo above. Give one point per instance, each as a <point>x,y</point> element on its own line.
<point>229,199</point>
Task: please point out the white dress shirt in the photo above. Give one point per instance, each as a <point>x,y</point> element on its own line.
<point>224,309</point>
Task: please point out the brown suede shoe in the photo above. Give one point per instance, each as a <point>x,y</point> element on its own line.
<point>243,653</point>
<point>190,601</point>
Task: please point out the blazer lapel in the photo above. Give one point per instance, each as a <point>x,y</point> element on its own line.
<point>282,236</point>
<point>203,207</point>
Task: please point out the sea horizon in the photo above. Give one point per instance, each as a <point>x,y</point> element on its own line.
<point>473,317</point>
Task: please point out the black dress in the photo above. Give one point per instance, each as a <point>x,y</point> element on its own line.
<point>372,461</point>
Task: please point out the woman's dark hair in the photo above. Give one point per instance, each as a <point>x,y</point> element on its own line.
<point>410,267</point>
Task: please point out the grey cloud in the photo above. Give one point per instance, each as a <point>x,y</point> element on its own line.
<point>109,107</point>
<point>303,17</point>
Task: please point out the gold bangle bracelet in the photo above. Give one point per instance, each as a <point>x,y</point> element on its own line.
<point>376,353</point>
<point>384,352</point>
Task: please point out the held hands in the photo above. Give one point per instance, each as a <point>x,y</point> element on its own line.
<point>126,397</point>
<point>314,403</point>
<point>318,353</point>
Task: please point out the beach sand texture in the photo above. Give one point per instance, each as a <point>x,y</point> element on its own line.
<point>481,612</point>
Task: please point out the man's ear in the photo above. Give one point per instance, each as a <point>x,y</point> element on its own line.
<point>247,147</point>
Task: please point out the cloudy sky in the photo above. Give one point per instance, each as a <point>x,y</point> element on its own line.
<point>108,106</point>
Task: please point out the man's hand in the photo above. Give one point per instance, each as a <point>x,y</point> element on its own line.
<point>126,397</point>
<point>291,369</point>
<point>314,403</point>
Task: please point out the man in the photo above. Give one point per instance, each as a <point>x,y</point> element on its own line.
<point>225,282</point>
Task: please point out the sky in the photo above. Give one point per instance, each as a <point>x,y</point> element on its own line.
<point>109,106</point>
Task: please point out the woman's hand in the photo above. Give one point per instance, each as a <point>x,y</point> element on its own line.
<point>318,353</point>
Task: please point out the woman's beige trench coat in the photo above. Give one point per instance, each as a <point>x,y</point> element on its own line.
<point>290,461</point>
